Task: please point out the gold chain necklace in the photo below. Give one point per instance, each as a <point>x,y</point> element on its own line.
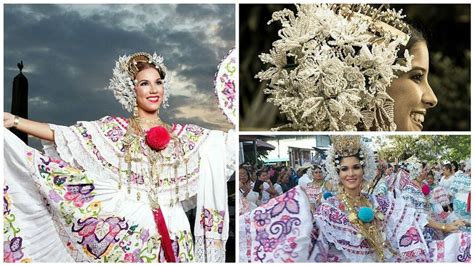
<point>137,153</point>
<point>149,123</point>
<point>370,231</point>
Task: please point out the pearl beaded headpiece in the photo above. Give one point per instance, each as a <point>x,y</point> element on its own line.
<point>330,69</point>
<point>123,81</point>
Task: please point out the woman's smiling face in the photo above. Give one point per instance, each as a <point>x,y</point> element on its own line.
<point>351,172</point>
<point>412,93</point>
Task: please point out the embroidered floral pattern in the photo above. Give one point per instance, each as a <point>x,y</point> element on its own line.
<point>184,247</point>
<point>12,242</point>
<point>276,227</point>
<point>98,234</point>
<point>113,128</point>
<point>102,238</point>
<point>79,194</point>
<point>413,195</point>
<point>287,202</point>
<point>410,237</point>
<point>114,134</point>
<point>225,86</point>
<point>212,220</point>
<point>136,245</point>
<point>6,201</point>
<point>465,248</point>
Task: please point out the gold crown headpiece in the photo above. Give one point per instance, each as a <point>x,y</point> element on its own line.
<point>384,23</point>
<point>345,146</point>
<point>135,58</point>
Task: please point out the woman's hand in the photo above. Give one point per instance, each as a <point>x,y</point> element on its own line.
<point>8,120</point>
<point>459,223</point>
<point>30,127</point>
<point>453,227</point>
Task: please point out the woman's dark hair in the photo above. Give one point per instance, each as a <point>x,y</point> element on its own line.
<point>416,37</point>
<point>145,65</point>
<point>246,171</point>
<point>448,166</point>
<point>259,173</point>
<point>339,158</point>
<point>455,165</point>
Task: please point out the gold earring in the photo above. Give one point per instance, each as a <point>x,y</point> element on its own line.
<point>135,110</point>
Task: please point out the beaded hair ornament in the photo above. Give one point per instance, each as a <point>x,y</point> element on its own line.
<point>414,167</point>
<point>348,146</point>
<point>330,69</point>
<point>123,80</point>
<point>467,168</point>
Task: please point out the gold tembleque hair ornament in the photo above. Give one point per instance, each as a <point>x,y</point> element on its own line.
<point>332,64</point>
<point>348,146</point>
<point>345,146</point>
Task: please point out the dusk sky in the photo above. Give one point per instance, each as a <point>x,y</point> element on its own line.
<point>69,52</point>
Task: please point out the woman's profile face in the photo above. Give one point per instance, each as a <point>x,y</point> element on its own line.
<point>412,93</point>
<point>351,172</point>
<point>149,89</point>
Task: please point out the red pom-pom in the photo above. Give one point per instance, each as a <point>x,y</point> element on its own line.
<point>158,138</point>
<point>425,189</point>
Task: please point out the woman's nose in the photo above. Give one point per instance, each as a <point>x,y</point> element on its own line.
<point>154,88</point>
<point>429,98</point>
<point>351,172</point>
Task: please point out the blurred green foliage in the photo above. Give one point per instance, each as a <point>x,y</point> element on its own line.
<point>445,26</point>
<point>433,148</point>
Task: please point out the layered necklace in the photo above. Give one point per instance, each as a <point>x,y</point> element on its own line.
<point>361,215</point>
<point>137,153</point>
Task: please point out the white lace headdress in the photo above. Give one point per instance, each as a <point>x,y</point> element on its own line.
<point>467,167</point>
<point>414,167</point>
<point>346,146</point>
<point>332,65</point>
<point>123,83</point>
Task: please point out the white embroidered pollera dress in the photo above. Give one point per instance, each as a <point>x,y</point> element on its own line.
<point>454,247</point>
<point>459,191</point>
<point>278,231</point>
<point>75,203</point>
<point>339,241</point>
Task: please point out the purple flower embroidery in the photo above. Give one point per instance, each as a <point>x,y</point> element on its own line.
<point>54,196</point>
<point>261,236</point>
<point>79,194</point>
<point>286,201</point>
<point>261,218</point>
<point>114,134</point>
<point>410,237</point>
<point>212,220</point>
<point>145,235</point>
<point>98,234</point>
<point>12,250</point>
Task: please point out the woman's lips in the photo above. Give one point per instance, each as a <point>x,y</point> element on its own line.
<point>153,99</point>
<point>351,180</point>
<point>418,118</point>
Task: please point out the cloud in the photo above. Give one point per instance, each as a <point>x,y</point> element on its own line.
<point>69,52</point>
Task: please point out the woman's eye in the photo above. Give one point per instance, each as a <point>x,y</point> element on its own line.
<point>344,168</point>
<point>159,82</point>
<point>144,83</point>
<point>417,77</point>
<point>357,166</point>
